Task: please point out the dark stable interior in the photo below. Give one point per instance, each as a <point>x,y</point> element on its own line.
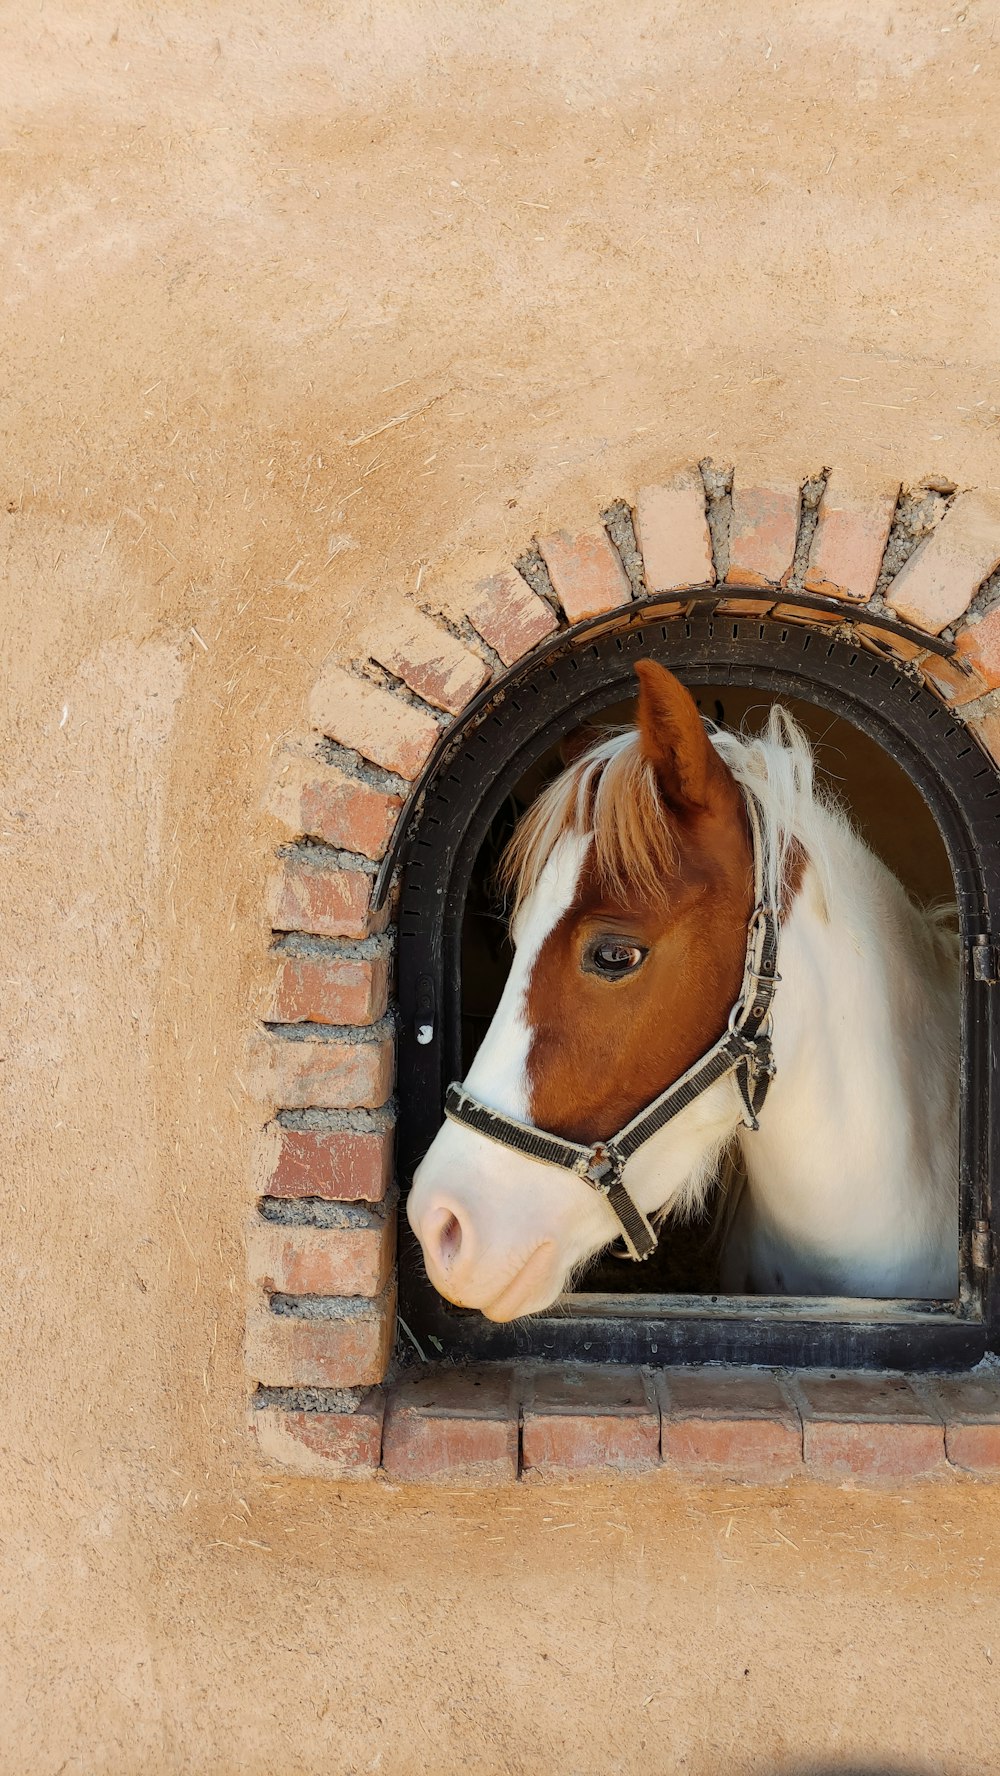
<point>887,810</point>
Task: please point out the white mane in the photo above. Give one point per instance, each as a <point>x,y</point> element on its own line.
<point>778,767</point>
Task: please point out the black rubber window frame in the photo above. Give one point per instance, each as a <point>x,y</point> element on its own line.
<point>484,754</point>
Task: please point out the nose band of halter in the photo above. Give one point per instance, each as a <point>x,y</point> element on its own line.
<point>744,1049</point>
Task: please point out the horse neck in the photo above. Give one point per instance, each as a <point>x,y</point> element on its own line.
<point>855,1155</point>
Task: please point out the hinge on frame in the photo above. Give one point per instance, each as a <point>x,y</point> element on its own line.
<point>982,1246</point>
<point>985,965</point>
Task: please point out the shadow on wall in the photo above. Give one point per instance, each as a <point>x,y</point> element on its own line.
<point>852,1769</point>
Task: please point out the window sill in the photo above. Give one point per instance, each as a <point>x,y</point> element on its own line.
<point>499,1425</point>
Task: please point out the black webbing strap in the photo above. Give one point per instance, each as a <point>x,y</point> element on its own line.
<point>743,1049</point>
<point>719,1061</point>
<point>638,1236</point>
<point>496,1126</point>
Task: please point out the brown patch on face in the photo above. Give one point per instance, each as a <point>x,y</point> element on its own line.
<point>602,1049</point>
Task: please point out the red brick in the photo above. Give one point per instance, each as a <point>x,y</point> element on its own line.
<point>329,989</point>
<point>324,1445</point>
<point>352,1350</point>
<point>963,1399</point>
<point>673,535</point>
<point>969,1406</point>
<point>943,575</point>
<point>454,1427</point>
<point>789,612</point>
<point>509,616</point>
<point>975,1448</point>
<point>664,607</point>
<point>340,1165</point>
<point>434,665</point>
<point>326,803</point>
<point>587,1423</point>
<point>986,727</point>
<point>857,1394</point>
<point>355,1260</point>
<point>866,1427</point>
<point>732,1423</point>
<point>762,535</point>
<point>331,1075</point>
<point>849,542</point>
<point>954,679</point>
<point>889,643</point>
<point>322,900</point>
<point>978,646</point>
<point>586,572</point>
<point>381,727</point>
<point>872,1450</point>
<point>745,607</point>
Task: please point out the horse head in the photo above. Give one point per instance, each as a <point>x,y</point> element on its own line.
<point>632,881</point>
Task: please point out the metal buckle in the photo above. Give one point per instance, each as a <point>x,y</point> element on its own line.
<point>600,1168</point>
<point>741,1010</point>
<point>758,920</point>
<point>747,1006</point>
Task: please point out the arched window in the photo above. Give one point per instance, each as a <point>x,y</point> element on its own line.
<point>878,621</point>
<point>908,746</point>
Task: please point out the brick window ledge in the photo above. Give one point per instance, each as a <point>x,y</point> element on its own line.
<point>499,1425</point>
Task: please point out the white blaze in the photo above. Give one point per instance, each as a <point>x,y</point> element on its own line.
<point>499,1073</point>
<point>499,1231</point>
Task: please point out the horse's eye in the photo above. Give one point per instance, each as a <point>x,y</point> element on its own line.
<point>614,958</point>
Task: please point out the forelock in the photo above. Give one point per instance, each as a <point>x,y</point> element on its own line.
<point>611,793</point>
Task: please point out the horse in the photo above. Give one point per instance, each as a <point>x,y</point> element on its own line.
<point>708,962</point>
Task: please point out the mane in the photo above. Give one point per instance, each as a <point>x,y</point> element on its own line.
<point>611,792</point>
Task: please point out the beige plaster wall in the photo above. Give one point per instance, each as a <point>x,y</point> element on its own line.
<point>570,243</point>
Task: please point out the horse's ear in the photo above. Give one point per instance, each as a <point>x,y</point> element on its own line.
<point>672,737</point>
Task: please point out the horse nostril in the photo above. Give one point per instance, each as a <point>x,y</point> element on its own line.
<point>446,1235</point>
<point>449,1242</point>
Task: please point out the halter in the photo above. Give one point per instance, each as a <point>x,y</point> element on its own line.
<point>744,1049</point>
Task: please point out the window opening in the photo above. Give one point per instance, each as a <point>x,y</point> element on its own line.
<point>936,791</point>
<point>885,808</point>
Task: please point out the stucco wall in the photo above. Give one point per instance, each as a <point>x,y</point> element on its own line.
<point>571,244</point>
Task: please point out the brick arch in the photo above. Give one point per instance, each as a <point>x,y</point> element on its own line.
<point>321,1244</point>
